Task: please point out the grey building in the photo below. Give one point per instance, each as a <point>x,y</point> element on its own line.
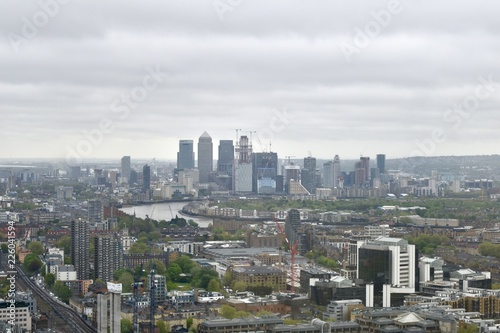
<point>205,157</point>
<point>265,170</point>
<point>80,248</point>
<point>125,167</point>
<point>336,171</point>
<point>381,163</point>
<point>308,177</point>
<point>226,157</point>
<point>185,156</point>
<point>95,212</point>
<point>146,177</point>
<point>160,289</point>
<point>108,257</point>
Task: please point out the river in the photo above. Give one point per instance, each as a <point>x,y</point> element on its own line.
<point>161,211</point>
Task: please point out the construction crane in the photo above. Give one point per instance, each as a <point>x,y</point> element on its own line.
<point>152,305</point>
<point>293,252</point>
<point>288,158</point>
<point>237,133</point>
<point>137,283</point>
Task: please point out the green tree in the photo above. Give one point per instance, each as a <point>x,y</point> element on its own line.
<point>159,266</point>
<point>138,248</point>
<point>189,322</point>
<point>62,291</point>
<point>239,286</point>
<point>213,285</point>
<point>173,272</point>
<point>64,243</point>
<point>467,328</point>
<point>50,279</point>
<point>242,314</point>
<point>5,248</point>
<point>264,313</point>
<point>163,326</point>
<point>32,263</point>
<point>155,235</point>
<point>227,279</point>
<point>126,279</point>
<point>126,325</point>
<point>36,247</point>
<point>185,263</point>
<point>227,311</point>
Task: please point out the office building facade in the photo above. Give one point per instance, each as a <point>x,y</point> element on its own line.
<point>146,178</point>
<point>125,168</point>
<point>265,170</point>
<point>225,159</point>
<point>185,156</point>
<point>205,157</point>
<point>381,163</point>
<point>308,177</point>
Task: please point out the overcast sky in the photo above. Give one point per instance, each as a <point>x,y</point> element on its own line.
<point>329,77</point>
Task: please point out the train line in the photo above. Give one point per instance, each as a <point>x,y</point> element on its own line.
<point>70,316</point>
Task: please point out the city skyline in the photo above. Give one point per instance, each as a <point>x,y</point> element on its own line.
<point>324,83</point>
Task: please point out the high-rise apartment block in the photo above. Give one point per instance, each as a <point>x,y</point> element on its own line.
<point>205,157</point>
<point>80,248</point>
<point>108,257</point>
<point>95,212</point>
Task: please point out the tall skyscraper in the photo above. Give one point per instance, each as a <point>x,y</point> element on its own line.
<point>185,156</point>
<point>359,174</point>
<point>225,159</point>
<point>365,164</point>
<point>243,173</point>
<point>381,163</point>
<point>328,174</point>
<point>107,257</point>
<point>308,177</point>
<point>146,177</point>
<point>95,212</point>
<point>80,248</point>
<point>336,171</point>
<point>125,168</point>
<point>265,170</point>
<point>291,173</point>
<point>292,230</point>
<point>205,157</point>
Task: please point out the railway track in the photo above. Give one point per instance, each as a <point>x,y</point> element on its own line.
<point>70,316</point>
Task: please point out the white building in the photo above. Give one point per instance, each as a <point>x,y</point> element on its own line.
<point>65,273</point>
<point>19,312</point>
<point>340,310</point>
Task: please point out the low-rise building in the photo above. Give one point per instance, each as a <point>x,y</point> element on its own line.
<point>260,276</point>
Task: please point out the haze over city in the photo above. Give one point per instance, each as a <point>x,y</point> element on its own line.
<point>396,77</point>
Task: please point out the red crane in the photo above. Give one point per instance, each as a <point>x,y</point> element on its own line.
<point>293,252</point>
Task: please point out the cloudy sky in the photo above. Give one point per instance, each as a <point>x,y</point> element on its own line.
<point>92,79</point>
